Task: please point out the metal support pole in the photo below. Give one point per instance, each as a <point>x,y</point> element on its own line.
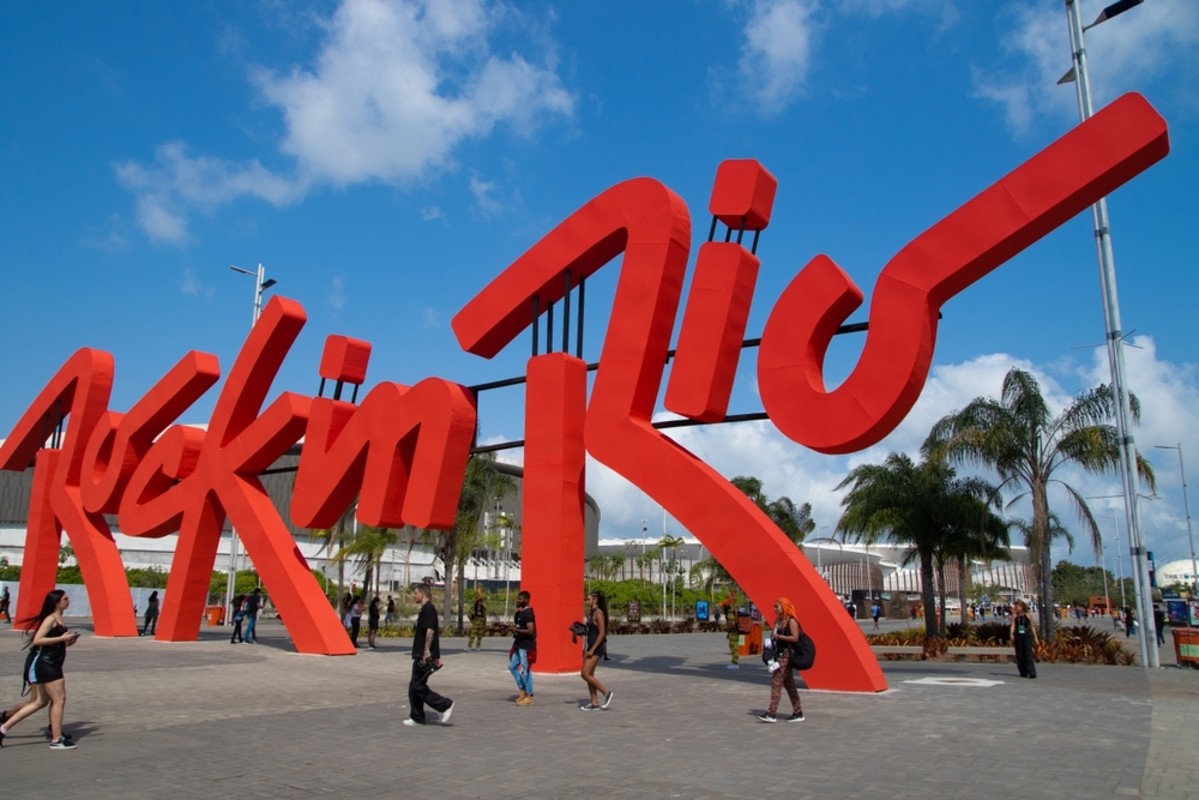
<point>1115,354</point>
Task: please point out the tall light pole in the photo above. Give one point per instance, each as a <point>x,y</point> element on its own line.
<point>261,284</point>
<point>1111,315</point>
<point>1187,506</point>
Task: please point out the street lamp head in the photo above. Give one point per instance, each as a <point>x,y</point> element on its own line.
<point>1115,9</point>
<point>243,271</point>
<point>268,283</point>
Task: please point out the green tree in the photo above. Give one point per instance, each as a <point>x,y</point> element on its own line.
<point>1026,445</point>
<point>482,485</point>
<point>365,549</point>
<point>794,521</point>
<point>924,506</point>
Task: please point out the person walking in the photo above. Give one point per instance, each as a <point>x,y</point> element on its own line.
<point>239,616</point>
<point>151,618</point>
<point>478,623</point>
<point>252,606</point>
<point>372,622</point>
<point>1024,637</point>
<point>50,639</point>
<point>1159,624</point>
<point>391,611</point>
<point>876,611</point>
<point>5,600</point>
<point>597,648</point>
<point>786,638</point>
<point>426,659</point>
<point>524,649</point>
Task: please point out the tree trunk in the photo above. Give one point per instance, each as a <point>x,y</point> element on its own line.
<point>1042,559</point>
<point>461,591</point>
<point>927,595</point>
<point>963,585</point>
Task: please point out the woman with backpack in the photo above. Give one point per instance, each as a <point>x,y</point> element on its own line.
<point>786,638</point>
<point>49,641</point>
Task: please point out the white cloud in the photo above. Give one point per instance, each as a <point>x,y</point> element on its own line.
<point>484,194</point>
<point>191,284</point>
<point>337,294</point>
<point>177,183</point>
<point>429,318</point>
<point>396,86</point>
<point>777,52</point>
<point>1169,395</point>
<point>1124,54</point>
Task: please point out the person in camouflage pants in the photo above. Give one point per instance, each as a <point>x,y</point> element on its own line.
<point>729,608</point>
<point>478,623</point>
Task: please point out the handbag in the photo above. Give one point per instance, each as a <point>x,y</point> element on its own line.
<point>803,654</point>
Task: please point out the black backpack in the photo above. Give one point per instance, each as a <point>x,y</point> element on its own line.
<point>803,654</point>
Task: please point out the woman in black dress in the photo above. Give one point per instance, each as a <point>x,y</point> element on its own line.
<point>51,638</point>
<point>1024,637</point>
<point>597,648</point>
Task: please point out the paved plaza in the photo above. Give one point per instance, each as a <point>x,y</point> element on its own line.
<point>209,719</point>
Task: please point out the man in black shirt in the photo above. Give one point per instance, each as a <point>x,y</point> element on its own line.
<point>524,646</point>
<point>252,607</point>
<point>426,659</point>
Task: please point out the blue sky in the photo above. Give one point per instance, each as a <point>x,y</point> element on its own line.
<point>385,160</point>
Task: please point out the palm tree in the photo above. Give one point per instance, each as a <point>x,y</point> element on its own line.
<point>922,505</point>
<point>794,521</point>
<point>1020,439</point>
<point>365,549</point>
<point>482,485</point>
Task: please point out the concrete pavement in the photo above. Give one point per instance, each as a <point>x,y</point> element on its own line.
<point>210,719</point>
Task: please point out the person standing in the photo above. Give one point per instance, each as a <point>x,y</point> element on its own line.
<point>391,611</point>
<point>252,606</point>
<point>1024,637</point>
<point>51,638</point>
<point>151,618</point>
<point>597,648</point>
<point>786,638</point>
<point>478,622</point>
<point>372,623</point>
<point>426,659</point>
<point>728,605</point>
<point>5,600</point>
<point>1159,624</point>
<point>239,616</point>
<point>353,619</point>
<point>524,648</point>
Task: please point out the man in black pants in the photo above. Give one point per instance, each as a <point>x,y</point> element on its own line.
<point>426,659</point>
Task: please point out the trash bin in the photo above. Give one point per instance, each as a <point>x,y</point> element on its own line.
<point>215,614</point>
<point>1186,645</point>
<point>750,643</point>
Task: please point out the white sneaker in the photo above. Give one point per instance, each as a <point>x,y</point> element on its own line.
<point>767,718</point>
<point>411,723</point>
<point>445,715</point>
<point>733,666</point>
<point>607,700</point>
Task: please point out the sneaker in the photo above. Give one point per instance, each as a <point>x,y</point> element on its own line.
<point>767,718</point>
<point>411,723</point>
<point>445,715</point>
<point>527,700</point>
<point>733,666</point>
<point>62,744</point>
<point>796,717</point>
<point>607,700</point>
<point>588,707</point>
<point>50,736</point>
